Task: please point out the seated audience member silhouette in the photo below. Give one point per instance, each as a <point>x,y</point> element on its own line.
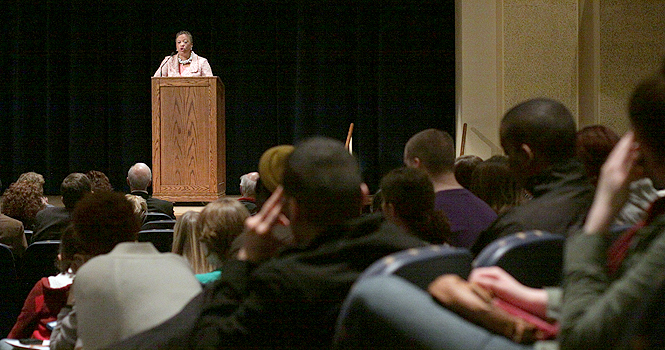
<point>494,183</point>
<point>99,180</point>
<point>187,244</point>
<point>219,224</point>
<point>594,144</point>
<point>22,200</point>
<point>51,221</point>
<point>408,201</point>
<point>139,204</point>
<point>49,294</point>
<point>12,234</point>
<point>248,191</point>
<point>464,166</point>
<point>131,288</point>
<point>139,178</point>
<point>597,304</point>
<point>433,151</point>
<point>267,297</point>
<point>539,138</point>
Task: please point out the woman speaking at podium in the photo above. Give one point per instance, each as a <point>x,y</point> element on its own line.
<point>185,63</point>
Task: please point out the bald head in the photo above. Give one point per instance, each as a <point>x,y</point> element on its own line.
<point>139,177</point>
<point>546,126</point>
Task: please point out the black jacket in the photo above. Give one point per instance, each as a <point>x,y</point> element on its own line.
<point>290,301</point>
<point>562,196</point>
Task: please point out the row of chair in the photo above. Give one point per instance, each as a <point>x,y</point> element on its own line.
<point>388,307</point>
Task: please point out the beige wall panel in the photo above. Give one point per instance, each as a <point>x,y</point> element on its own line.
<point>632,45</point>
<point>540,51</point>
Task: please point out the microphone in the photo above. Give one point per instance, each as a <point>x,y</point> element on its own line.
<point>165,62</point>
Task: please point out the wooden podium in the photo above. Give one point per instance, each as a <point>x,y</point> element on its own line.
<point>188,139</point>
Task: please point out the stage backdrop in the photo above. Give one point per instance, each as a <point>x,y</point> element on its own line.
<point>76,91</point>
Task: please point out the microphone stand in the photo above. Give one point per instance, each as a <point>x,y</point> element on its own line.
<point>165,62</point>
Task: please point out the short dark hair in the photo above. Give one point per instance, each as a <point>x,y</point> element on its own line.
<point>464,166</point>
<point>647,114</point>
<point>411,193</point>
<point>546,125</point>
<point>103,219</point>
<point>73,188</point>
<point>593,146</point>
<point>434,148</point>
<point>189,35</point>
<point>325,181</point>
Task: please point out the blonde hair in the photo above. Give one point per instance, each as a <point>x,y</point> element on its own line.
<point>139,204</point>
<point>220,223</point>
<point>186,242</point>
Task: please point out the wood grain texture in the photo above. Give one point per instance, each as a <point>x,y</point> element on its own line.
<point>189,151</point>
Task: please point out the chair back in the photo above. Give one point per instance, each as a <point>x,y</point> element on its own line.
<point>421,266</point>
<point>11,304</point>
<point>154,216</point>
<point>158,224</point>
<point>39,260</point>
<point>162,239</point>
<point>535,258</point>
<point>28,235</point>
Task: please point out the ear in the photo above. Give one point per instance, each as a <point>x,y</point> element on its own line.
<point>388,210</point>
<point>413,163</point>
<point>364,193</point>
<point>527,152</point>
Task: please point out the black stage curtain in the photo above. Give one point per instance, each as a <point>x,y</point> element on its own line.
<point>77,74</point>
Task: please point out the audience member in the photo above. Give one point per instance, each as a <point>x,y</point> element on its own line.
<point>139,177</point>
<point>268,297</point>
<point>51,221</point>
<point>22,200</point>
<point>99,222</point>
<point>464,166</point>
<point>248,191</point>
<point>539,138</point>
<point>139,204</point>
<point>597,304</point>
<point>37,179</point>
<point>433,151</point>
<point>220,223</point>
<point>100,182</point>
<point>408,202</point>
<point>594,144</point>
<point>271,171</point>
<point>12,234</point>
<point>494,183</point>
<point>187,244</point>
<point>49,295</point>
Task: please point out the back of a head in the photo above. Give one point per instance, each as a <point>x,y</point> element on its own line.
<point>464,166</point>
<point>100,182</point>
<point>22,200</point>
<point>219,223</point>
<point>139,176</point>
<point>546,125</point>
<point>32,176</point>
<point>647,114</point>
<point>186,242</point>
<point>434,148</point>
<point>324,179</point>
<point>411,194</point>
<point>494,182</point>
<point>594,144</point>
<point>139,204</point>
<point>73,188</point>
<point>248,184</point>
<point>103,219</point>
